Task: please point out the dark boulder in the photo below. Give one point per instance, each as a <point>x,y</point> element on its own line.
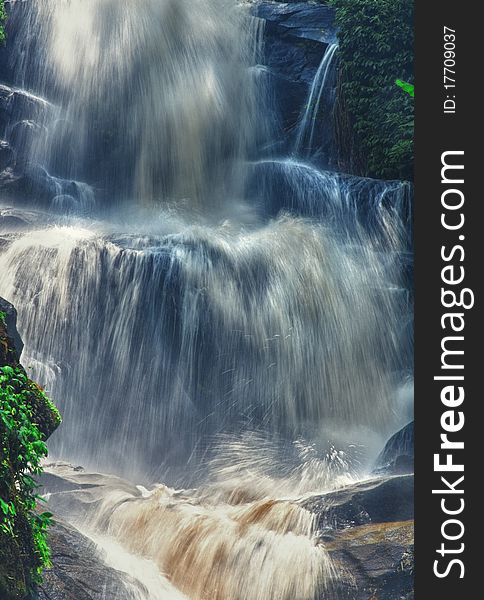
<point>23,136</point>
<point>398,454</point>
<point>380,500</point>
<point>9,224</point>
<point>35,187</point>
<point>295,60</point>
<point>292,186</point>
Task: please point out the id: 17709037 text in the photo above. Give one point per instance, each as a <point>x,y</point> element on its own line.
<point>449,72</point>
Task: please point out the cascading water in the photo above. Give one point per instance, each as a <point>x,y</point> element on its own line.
<point>154,97</point>
<point>203,331</point>
<point>321,95</point>
<point>201,314</point>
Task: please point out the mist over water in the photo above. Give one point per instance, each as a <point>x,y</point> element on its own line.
<point>203,331</point>
<point>153,323</point>
<point>203,312</point>
<point>154,97</point>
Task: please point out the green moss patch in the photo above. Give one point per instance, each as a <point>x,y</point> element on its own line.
<point>3,17</point>
<point>375,117</point>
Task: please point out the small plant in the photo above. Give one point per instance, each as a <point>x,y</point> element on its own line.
<point>22,449</point>
<point>3,316</point>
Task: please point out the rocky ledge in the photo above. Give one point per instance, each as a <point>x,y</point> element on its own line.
<point>368,530</point>
<point>374,562</point>
<point>304,20</point>
<point>397,456</point>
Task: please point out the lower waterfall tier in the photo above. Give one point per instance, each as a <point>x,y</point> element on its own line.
<point>151,344</point>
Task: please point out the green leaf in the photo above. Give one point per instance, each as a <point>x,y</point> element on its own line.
<point>406,87</point>
<point>4,506</point>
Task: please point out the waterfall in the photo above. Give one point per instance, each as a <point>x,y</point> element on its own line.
<point>154,100</point>
<point>202,331</point>
<point>265,546</point>
<point>382,208</point>
<point>319,96</point>
<point>258,27</point>
<point>203,312</point>
<point>194,326</point>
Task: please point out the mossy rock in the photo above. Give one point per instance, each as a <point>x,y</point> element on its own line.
<point>46,415</point>
<point>20,559</point>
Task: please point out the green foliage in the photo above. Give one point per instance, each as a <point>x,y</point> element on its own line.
<point>3,17</point>
<point>22,449</point>
<point>406,87</point>
<point>3,316</point>
<point>375,46</point>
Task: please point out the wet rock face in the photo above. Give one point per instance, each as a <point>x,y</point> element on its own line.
<point>295,39</point>
<point>374,561</point>
<point>11,345</point>
<point>23,128</point>
<point>20,110</point>
<point>368,530</point>
<point>305,20</point>
<point>382,500</point>
<point>22,125</point>
<point>398,454</point>
<point>79,571</point>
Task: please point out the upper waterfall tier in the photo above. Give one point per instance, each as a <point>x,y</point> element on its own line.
<point>154,99</point>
